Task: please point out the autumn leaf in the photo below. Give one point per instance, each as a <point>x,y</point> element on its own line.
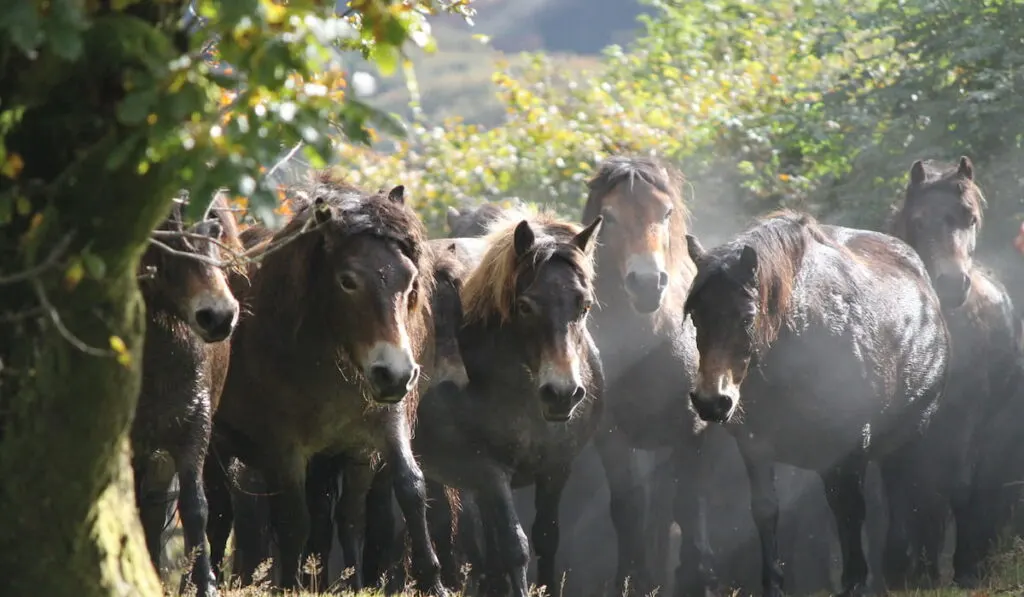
<point>13,165</point>
<point>73,274</point>
<point>124,358</point>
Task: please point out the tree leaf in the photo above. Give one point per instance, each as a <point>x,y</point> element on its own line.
<point>134,108</point>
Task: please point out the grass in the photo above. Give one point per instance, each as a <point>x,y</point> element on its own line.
<point>1005,578</point>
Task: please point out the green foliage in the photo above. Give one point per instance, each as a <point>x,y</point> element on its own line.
<point>809,104</point>
<point>213,127</point>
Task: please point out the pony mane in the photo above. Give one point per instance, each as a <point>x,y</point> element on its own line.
<point>939,176</point>
<point>489,291</point>
<point>780,239</point>
<point>647,173</point>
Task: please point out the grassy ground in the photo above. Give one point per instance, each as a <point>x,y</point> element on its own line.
<point>1005,579</point>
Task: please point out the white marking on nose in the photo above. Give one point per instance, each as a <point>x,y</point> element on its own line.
<point>645,264</point>
<point>396,359</point>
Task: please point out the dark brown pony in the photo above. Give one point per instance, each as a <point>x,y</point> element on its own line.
<point>326,363</point>
<point>533,396</point>
<point>190,313</point>
<point>649,354</point>
<point>940,217</point>
<point>822,347</point>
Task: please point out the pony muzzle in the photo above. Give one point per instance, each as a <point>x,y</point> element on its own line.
<point>645,282</point>
<point>717,404</point>
<point>214,316</point>
<point>952,289</point>
<point>560,390</point>
<point>392,373</point>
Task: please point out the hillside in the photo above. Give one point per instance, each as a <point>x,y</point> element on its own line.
<point>456,79</point>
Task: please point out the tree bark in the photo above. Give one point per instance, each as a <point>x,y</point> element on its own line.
<point>68,522</point>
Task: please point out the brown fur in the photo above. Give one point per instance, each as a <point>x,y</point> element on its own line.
<point>489,291</point>
<point>297,386</point>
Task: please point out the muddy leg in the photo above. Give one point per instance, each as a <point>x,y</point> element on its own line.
<point>627,507</point>
<point>764,505</point>
<point>470,536</point>
<point>351,518</point>
<point>694,572</point>
<point>289,515</point>
<point>410,489</point>
<point>545,528</point>
<point>194,512</point>
<point>843,490</point>
<point>511,551</point>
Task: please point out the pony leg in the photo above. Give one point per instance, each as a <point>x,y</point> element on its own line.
<point>896,480</point>
<point>410,489</point>
<point>764,505</point>
<point>151,499</point>
<point>626,506</point>
<point>380,528</point>
<point>220,512</point>
<point>545,530</point>
<point>289,515</point>
<point>694,572</point>
<point>351,520</point>
<point>253,543</point>
<point>843,490</point>
<point>321,490</point>
<point>440,519</point>
<point>194,511</point>
<point>470,536</point>
<point>509,548</point>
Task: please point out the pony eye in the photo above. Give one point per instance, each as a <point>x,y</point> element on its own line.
<point>348,282</point>
<point>609,217</point>
<point>668,214</point>
<point>585,308</point>
<point>525,307</point>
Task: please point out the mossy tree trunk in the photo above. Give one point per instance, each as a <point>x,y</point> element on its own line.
<point>68,524</point>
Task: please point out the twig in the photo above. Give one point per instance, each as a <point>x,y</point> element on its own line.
<point>47,263</point>
<point>22,315</point>
<point>283,160</point>
<point>59,324</point>
<point>258,252</point>
<point>194,236</point>
<point>193,256</point>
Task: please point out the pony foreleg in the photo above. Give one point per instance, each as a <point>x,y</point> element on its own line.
<point>764,506</point>
<point>694,571</point>
<point>218,498</point>
<point>289,516</point>
<point>843,490</point>
<point>626,506</point>
<point>545,530</point>
<point>440,519</point>
<point>321,491</point>
<point>411,491</point>
<point>378,545</point>
<point>508,548</point>
<point>351,518</point>
<point>194,512</point>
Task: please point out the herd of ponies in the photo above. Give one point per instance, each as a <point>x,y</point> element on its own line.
<point>435,377</point>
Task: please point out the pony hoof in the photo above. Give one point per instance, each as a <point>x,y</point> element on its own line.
<point>857,590</point>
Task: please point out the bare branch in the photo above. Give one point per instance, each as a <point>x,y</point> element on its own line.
<point>22,315</point>
<point>183,254</point>
<point>257,253</point>
<point>59,323</point>
<point>194,236</point>
<point>50,261</point>
<point>283,160</point>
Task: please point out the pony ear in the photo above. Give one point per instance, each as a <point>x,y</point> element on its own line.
<point>586,239</point>
<point>917,173</point>
<point>321,211</point>
<point>397,194</point>
<point>748,260</point>
<point>694,248</point>
<point>965,169</point>
<point>452,216</point>
<point>524,238</point>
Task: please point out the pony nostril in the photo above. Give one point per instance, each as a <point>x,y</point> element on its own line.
<point>662,280</point>
<point>381,376</point>
<point>205,318</point>
<point>631,280</point>
<point>579,393</point>
<point>215,324</point>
